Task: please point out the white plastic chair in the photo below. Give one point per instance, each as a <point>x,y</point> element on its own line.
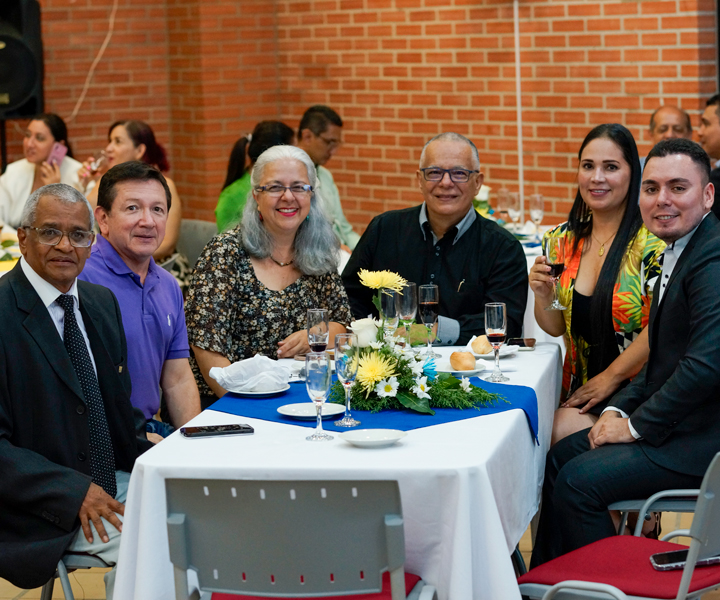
<point>300,539</point>
<point>194,235</point>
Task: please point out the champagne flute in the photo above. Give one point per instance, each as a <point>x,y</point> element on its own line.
<point>317,380</point>
<point>495,323</point>
<point>406,302</point>
<point>537,211</point>
<point>555,259</point>
<point>503,204</point>
<point>318,329</point>
<point>429,301</point>
<point>514,209</point>
<point>388,311</point>
<point>347,358</point>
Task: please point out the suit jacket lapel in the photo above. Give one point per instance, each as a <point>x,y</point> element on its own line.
<point>40,326</point>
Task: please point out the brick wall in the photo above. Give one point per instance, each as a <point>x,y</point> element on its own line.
<point>203,72</point>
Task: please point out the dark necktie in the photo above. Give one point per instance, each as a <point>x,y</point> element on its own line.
<point>102,458</point>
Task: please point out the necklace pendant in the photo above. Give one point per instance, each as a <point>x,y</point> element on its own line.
<point>602,250</point>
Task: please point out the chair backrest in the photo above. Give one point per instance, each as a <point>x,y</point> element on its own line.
<point>286,538</point>
<point>705,526</point>
<point>194,234</point>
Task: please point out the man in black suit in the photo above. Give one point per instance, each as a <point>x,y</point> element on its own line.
<point>67,432</point>
<point>663,429</point>
<point>709,134</point>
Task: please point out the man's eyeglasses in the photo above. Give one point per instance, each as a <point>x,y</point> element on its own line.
<point>332,143</point>
<point>456,175</point>
<point>52,237</point>
<point>279,190</point>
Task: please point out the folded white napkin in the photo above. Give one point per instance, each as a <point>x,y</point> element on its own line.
<point>256,374</point>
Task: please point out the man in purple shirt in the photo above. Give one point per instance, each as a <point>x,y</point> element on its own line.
<point>132,211</point>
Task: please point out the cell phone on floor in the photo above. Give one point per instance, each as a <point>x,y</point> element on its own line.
<point>57,153</point>
<point>216,430</point>
<point>524,343</point>
<point>675,559</point>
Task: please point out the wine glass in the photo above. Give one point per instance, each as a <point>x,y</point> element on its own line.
<point>318,331</point>
<point>429,301</point>
<point>347,357</point>
<point>388,311</point>
<point>537,211</point>
<point>555,259</point>
<point>406,303</point>
<point>495,323</point>
<point>514,209</point>
<point>503,204</point>
<point>317,380</point>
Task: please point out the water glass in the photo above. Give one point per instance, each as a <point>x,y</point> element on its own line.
<point>347,358</point>
<point>318,374</point>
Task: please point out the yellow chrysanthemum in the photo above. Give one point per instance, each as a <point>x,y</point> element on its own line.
<point>374,368</point>
<point>381,279</point>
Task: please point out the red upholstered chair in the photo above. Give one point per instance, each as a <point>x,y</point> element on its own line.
<point>623,562</point>
<point>290,539</point>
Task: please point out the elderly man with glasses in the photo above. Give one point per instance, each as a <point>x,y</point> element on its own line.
<point>67,432</point>
<point>445,242</point>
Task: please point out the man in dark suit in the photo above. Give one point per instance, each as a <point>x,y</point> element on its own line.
<point>663,429</point>
<point>67,432</point>
<point>709,134</point>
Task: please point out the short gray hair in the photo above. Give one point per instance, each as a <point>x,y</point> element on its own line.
<point>61,191</point>
<point>450,136</point>
<point>315,243</point>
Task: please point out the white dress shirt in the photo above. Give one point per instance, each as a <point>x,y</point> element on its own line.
<point>669,259</point>
<point>48,294</point>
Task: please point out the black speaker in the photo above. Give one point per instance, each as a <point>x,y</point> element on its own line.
<point>21,59</point>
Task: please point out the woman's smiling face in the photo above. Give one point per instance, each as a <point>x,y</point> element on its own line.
<point>603,176</point>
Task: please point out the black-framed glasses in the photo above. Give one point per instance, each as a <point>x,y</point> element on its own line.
<point>52,237</point>
<point>332,143</point>
<point>279,190</point>
<point>456,175</point>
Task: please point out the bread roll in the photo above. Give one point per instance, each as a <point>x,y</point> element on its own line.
<point>462,361</point>
<point>480,345</point>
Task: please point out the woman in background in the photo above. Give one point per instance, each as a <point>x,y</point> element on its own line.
<point>242,158</point>
<point>23,177</point>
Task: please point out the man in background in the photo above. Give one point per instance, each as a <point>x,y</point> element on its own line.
<point>710,139</point>
<point>670,122</point>
<point>320,135</point>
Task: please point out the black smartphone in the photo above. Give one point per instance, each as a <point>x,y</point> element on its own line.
<point>524,343</point>
<point>675,559</point>
<point>215,430</point>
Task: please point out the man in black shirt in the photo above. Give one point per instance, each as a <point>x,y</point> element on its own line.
<point>444,241</point>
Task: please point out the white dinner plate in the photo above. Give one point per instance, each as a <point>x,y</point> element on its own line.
<point>306,410</point>
<point>372,438</point>
<point>264,394</point>
<point>505,352</point>
<point>446,367</point>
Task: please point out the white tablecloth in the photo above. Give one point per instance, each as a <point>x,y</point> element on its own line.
<point>469,489</point>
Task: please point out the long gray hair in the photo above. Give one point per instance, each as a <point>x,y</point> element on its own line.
<point>315,243</point>
<point>61,191</point>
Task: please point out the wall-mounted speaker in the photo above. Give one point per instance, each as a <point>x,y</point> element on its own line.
<point>21,59</point>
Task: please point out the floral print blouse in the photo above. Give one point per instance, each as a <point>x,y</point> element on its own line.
<point>631,298</point>
<point>229,311</point>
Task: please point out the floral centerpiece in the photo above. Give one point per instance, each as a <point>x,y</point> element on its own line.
<point>390,376</point>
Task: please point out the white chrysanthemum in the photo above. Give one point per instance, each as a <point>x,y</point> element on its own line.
<point>421,388</point>
<point>416,367</point>
<point>465,384</point>
<point>376,345</point>
<point>387,388</point>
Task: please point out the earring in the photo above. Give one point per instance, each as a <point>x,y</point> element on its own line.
<point>260,216</point>
<point>307,218</point>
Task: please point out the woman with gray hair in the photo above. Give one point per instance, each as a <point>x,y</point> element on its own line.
<point>253,284</point>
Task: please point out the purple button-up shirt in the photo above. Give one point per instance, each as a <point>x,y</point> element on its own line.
<point>153,318</point>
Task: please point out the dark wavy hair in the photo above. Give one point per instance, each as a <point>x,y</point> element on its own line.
<point>57,127</point>
<point>580,222</point>
<point>265,135</point>
<point>141,133</point>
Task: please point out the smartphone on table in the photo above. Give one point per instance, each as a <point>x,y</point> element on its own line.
<point>527,344</point>
<point>216,430</point>
<point>57,153</point>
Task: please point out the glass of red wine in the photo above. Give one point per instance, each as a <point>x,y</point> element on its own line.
<point>428,307</point>
<point>318,329</point>
<point>495,324</point>
<point>555,259</point>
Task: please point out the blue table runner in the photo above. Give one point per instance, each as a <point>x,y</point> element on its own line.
<point>517,396</point>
